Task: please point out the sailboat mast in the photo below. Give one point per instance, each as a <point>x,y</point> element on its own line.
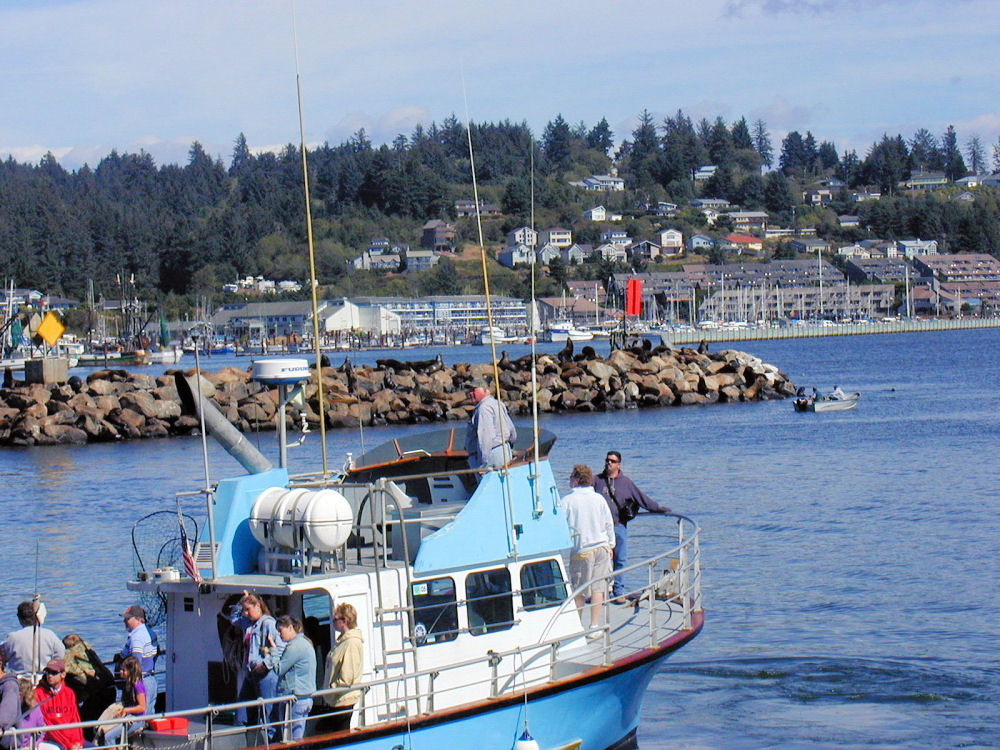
<point>313,284</point>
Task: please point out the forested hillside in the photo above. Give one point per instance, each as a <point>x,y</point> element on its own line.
<point>186,230</point>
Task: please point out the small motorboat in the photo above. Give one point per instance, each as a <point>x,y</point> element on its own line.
<point>827,403</point>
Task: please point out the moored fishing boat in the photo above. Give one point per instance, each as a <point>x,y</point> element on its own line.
<point>470,628</point>
<point>562,331</point>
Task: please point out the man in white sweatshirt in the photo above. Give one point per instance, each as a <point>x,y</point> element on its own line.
<point>593,532</point>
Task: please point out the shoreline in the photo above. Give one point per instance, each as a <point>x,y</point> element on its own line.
<point>766,333</point>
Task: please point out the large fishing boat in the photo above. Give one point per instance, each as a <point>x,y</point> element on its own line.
<point>471,634</point>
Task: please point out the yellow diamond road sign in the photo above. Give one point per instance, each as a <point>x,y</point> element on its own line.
<point>51,329</point>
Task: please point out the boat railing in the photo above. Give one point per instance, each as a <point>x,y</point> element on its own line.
<point>672,576</point>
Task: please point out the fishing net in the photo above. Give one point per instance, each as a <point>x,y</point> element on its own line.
<point>157,544</point>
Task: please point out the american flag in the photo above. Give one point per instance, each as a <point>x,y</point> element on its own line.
<point>190,567</point>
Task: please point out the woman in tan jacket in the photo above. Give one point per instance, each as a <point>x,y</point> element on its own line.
<point>344,665</point>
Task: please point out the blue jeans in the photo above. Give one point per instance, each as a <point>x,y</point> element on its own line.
<point>300,710</point>
<point>114,734</point>
<point>620,559</point>
<point>253,687</point>
<point>151,690</point>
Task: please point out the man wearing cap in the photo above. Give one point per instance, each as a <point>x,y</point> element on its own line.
<point>58,703</point>
<point>624,500</point>
<point>490,435</point>
<point>141,643</point>
<point>20,645</point>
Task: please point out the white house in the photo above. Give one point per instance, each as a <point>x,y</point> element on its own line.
<point>616,237</point>
<point>421,260</point>
<point>612,252</point>
<point>705,173</point>
<point>598,213</point>
<point>909,248</point>
<point>600,182</point>
<point>556,236</point>
<point>519,255</point>
<point>671,241</point>
<point>522,236</point>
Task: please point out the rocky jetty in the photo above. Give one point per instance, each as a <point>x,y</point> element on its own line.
<point>117,405</point>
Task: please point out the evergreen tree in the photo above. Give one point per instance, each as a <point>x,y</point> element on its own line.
<point>977,154</point>
<point>777,192</point>
<point>953,163</point>
<point>720,145</point>
<point>556,142</point>
<point>793,159</point>
<point>740,135</point>
<point>827,156</point>
<point>886,163</point>
<point>762,143</point>
<point>600,137</point>
<point>924,152</point>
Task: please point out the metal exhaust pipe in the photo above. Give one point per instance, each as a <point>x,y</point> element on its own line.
<point>219,427</point>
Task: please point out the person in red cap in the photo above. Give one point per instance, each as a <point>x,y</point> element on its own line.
<point>58,703</point>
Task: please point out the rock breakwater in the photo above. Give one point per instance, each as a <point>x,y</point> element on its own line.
<point>115,405</point>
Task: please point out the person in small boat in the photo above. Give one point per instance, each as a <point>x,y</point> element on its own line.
<point>58,703</point>
<point>264,649</point>
<point>490,436</point>
<point>344,665</point>
<point>296,670</point>
<point>838,393</point>
<point>20,643</point>
<point>624,500</point>
<point>593,531</point>
<point>31,718</point>
<point>134,700</point>
<point>141,643</point>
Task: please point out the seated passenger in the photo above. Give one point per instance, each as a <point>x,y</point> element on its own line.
<point>58,703</point>
<point>134,700</point>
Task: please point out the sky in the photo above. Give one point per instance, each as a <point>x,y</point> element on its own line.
<point>82,77</point>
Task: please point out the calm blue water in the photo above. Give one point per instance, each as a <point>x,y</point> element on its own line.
<point>851,560</point>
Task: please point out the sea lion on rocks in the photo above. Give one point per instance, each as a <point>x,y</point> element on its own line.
<point>504,362</point>
<point>425,366</point>
<point>566,353</point>
<point>587,353</point>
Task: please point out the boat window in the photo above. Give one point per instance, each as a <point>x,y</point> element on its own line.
<point>489,601</point>
<point>542,585</point>
<point>316,618</point>
<point>435,612</point>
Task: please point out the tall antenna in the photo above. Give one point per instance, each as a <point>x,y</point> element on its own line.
<point>314,285</point>
<point>537,509</point>
<point>511,535</point>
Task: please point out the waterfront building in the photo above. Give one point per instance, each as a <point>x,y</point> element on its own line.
<point>959,267</point>
<point>862,269</point>
<point>462,313</point>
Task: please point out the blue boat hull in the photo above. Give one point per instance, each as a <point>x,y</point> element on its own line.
<point>598,709</point>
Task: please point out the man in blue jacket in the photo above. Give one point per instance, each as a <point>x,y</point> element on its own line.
<point>624,500</point>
